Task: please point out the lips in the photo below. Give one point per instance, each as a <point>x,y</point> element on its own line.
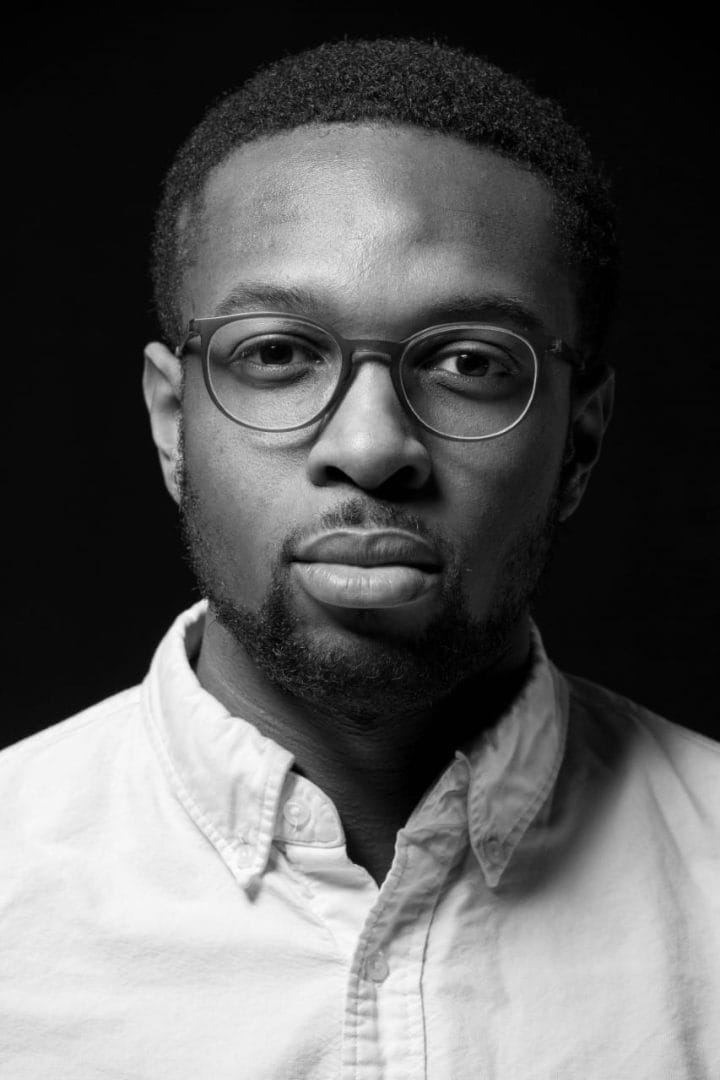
<point>367,569</point>
<point>370,548</point>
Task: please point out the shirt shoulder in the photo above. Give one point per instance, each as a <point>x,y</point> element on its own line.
<point>90,718</point>
<point>54,767</point>
<point>680,766</point>
<point>615,709</point>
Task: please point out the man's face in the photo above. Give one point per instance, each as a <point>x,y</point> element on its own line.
<point>383,232</point>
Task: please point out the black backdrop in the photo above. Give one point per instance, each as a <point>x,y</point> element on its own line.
<point>94,105</point>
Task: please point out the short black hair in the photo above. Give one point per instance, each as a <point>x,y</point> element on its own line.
<point>403,82</point>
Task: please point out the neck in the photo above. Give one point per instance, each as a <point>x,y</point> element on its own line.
<point>375,774</point>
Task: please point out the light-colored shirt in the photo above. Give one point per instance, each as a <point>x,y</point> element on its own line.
<point>177,903</point>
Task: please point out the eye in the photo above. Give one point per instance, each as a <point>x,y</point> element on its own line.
<point>472,359</point>
<point>276,351</point>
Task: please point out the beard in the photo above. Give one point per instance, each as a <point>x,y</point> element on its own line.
<point>377,674</point>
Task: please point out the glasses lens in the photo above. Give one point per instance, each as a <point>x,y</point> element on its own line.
<point>273,373</point>
<point>469,381</point>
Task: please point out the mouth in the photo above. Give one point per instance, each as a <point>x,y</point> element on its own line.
<point>367,568</point>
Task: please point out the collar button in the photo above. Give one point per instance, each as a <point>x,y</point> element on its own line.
<point>493,849</point>
<point>296,813</point>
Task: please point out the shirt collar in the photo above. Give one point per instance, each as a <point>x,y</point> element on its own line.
<point>514,765</point>
<point>238,788</point>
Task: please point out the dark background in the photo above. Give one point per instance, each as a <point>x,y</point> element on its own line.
<point>96,102</point>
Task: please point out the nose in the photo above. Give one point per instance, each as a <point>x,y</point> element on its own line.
<point>369,439</point>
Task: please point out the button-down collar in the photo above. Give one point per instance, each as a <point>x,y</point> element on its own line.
<point>238,787</point>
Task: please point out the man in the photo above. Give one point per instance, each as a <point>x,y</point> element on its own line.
<point>354,823</point>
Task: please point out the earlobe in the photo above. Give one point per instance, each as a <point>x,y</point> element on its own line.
<point>591,412</point>
<point>162,389</point>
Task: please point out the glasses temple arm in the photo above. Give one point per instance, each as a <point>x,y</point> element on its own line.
<point>180,349</point>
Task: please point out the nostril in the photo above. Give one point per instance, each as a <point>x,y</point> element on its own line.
<point>334,475</point>
<point>401,484</point>
<point>405,481</point>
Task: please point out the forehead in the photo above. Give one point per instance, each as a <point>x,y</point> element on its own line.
<point>377,218</point>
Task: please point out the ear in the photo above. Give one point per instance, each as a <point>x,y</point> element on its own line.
<point>592,405</point>
<point>162,389</point>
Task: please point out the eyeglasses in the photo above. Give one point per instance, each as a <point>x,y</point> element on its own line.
<point>466,381</point>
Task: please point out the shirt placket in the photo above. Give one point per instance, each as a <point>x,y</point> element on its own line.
<point>384,1023</point>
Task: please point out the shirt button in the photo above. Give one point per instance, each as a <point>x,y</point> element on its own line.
<point>377,968</point>
<point>296,813</point>
<point>493,849</point>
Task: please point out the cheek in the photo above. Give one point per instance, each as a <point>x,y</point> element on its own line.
<point>246,495</point>
<point>536,447</point>
<point>509,481</point>
<point>501,491</point>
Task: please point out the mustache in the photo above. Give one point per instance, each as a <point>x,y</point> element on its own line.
<point>359,513</point>
<point>356,512</point>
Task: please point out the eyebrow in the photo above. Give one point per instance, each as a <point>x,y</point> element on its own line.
<point>457,307</point>
<point>267,296</point>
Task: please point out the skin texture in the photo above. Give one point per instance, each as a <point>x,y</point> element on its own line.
<point>383,227</point>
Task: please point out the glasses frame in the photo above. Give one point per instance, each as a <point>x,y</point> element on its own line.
<point>357,350</point>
